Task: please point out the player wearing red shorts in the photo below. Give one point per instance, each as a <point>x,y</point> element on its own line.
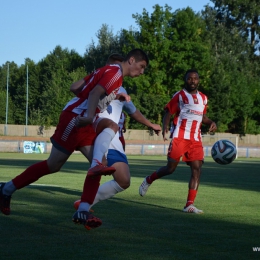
<point>74,131</point>
<point>190,106</point>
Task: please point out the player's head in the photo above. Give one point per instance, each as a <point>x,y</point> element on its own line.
<point>191,80</point>
<point>135,62</point>
<point>114,58</point>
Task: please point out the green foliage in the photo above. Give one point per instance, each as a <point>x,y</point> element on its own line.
<point>220,42</point>
<point>232,76</point>
<point>174,43</point>
<point>151,106</point>
<point>244,15</point>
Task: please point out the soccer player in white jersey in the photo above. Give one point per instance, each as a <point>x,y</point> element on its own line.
<point>116,156</point>
<point>189,107</point>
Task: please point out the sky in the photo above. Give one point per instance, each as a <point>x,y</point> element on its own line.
<point>32,29</point>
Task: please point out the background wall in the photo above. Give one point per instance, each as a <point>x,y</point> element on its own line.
<point>131,136</point>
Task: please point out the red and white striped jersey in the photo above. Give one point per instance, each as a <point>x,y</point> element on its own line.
<point>109,77</point>
<point>190,109</point>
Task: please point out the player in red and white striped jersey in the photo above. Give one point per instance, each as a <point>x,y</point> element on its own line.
<point>189,107</point>
<point>74,130</point>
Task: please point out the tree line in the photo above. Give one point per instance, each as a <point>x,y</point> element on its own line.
<point>221,42</point>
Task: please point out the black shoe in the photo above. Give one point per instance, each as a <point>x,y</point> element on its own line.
<point>4,201</point>
<point>86,219</point>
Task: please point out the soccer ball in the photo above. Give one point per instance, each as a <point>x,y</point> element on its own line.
<point>223,152</point>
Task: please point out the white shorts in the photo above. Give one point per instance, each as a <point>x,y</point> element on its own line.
<point>116,152</point>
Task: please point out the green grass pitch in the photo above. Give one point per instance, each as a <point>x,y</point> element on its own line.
<point>134,227</point>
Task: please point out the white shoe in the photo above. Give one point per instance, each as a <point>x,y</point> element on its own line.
<point>144,187</point>
<point>192,209</point>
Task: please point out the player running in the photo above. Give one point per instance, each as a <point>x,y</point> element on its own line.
<point>190,107</point>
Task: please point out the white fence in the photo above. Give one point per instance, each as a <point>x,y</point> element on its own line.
<point>131,149</point>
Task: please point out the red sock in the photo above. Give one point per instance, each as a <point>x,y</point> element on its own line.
<point>90,189</point>
<point>152,178</point>
<point>31,174</point>
<point>191,197</point>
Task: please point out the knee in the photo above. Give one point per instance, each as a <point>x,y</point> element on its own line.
<point>112,125</point>
<point>54,167</point>
<point>170,169</point>
<point>124,184</point>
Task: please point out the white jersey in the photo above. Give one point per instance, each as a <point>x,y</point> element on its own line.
<point>115,108</point>
<point>116,152</point>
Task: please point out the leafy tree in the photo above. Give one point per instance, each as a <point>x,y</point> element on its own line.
<point>231,79</point>
<point>174,43</point>
<point>96,55</point>
<point>57,72</point>
<point>244,15</point>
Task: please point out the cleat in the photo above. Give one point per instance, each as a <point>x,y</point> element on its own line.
<point>192,209</point>
<point>85,218</point>
<point>144,187</point>
<point>100,169</point>
<point>4,201</point>
<point>76,205</point>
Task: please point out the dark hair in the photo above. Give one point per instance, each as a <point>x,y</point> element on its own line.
<point>138,54</point>
<point>114,57</point>
<point>189,71</point>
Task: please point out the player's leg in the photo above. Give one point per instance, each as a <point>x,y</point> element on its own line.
<point>120,182</point>
<point>30,175</point>
<point>110,188</point>
<point>106,130</point>
<point>175,151</point>
<point>91,184</point>
<point>61,150</point>
<point>116,157</point>
<point>194,158</point>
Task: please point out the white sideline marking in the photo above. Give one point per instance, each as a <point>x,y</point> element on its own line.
<point>44,185</point>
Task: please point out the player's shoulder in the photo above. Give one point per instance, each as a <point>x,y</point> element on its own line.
<point>107,68</point>
<point>202,94</point>
<point>176,94</point>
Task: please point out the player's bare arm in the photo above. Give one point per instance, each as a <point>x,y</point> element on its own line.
<point>93,99</point>
<point>140,118</point>
<point>77,86</point>
<point>207,121</point>
<point>166,122</point>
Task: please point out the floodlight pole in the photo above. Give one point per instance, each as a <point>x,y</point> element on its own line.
<point>7,90</point>
<point>26,115</point>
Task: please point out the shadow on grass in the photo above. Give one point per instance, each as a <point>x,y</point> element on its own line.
<point>238,175</point>
<point>40,227</point>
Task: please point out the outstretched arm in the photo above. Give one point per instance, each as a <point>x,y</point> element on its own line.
<point>140,118</point>
<point>166,122</point>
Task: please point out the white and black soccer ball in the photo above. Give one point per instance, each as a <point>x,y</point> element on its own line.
<point>223,152</point>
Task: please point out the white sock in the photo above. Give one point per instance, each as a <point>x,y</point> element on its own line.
<point>101,145</point>
<point>9,188</point>
<point>84,206</point>
<point>107,190</point>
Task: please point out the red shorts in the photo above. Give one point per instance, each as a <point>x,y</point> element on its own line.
<point>67,137</point>
<point>187,149</point>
